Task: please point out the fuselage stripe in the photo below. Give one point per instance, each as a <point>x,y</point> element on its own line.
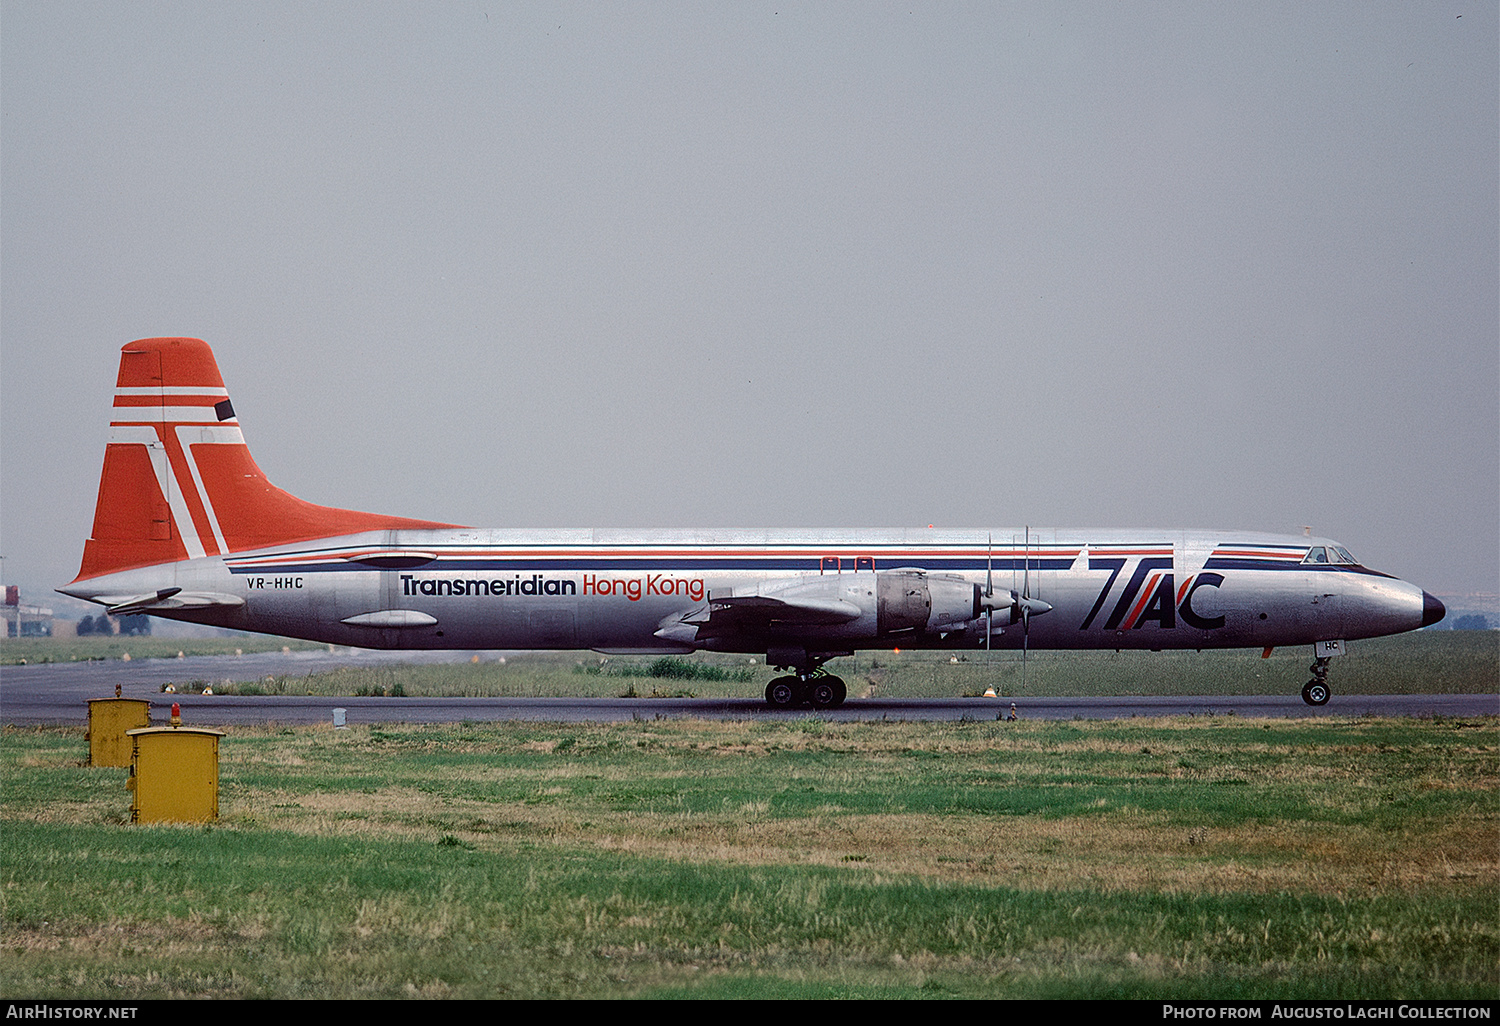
<point>803,564</point>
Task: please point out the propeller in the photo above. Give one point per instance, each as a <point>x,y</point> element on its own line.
<point>1019,604</point>
<point>1024,607</point>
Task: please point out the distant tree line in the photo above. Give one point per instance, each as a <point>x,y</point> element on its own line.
<point>138,624</point>
<point>1472,622</point>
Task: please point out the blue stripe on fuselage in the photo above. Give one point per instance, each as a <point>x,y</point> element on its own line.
<point>797,564</point>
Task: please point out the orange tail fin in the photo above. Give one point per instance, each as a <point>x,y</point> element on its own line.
<point>178,480</point>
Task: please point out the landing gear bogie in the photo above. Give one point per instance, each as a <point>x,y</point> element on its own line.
<point>819,690</point>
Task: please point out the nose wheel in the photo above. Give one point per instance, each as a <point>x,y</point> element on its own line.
<point>1315,691</point>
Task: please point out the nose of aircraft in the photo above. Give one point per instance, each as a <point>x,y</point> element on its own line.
<point>1432,610</point>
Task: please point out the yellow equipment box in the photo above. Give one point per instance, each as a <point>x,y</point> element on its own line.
<point>174,775</point>
<point>109,719</point>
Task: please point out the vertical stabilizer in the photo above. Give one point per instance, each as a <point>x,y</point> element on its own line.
<point>178,480</point>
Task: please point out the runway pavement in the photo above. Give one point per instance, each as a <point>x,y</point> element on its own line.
<point>58,693</point>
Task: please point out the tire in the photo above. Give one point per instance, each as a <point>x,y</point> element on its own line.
<point>839,691</point>
<point>1315,692</point>
<point>782,692</point>
<point>822,693</point>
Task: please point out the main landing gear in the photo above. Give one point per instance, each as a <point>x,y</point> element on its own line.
<point>819,689</point>
<point>1315,691</point>
<point>808,683</point>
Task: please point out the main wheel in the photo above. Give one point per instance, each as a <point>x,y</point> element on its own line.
<point>822,693</point>
<point>1315,692</point>
<point>782,691</point>
<point>840,692</point>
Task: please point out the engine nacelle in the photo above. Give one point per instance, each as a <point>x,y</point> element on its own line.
<point>842,609</point>
<point>917,602</point>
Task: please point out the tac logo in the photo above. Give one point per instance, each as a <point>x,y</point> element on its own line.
<point>1151,594</point>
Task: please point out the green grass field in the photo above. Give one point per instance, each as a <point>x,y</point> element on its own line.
<point>1205,857</point>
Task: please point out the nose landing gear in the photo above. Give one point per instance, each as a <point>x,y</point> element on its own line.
<point>1315,691</point>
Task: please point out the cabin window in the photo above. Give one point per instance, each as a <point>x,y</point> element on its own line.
<point>864,562</point>
<point>830,565</point>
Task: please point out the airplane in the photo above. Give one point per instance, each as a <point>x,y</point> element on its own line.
<point>188,527</point>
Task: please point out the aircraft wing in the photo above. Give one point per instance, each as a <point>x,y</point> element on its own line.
<point>754,614</point>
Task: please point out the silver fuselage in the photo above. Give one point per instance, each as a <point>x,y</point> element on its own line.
<point>628,591</point>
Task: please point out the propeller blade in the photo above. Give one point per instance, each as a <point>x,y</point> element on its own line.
<point>1026,571</point>
<point>1026,606</point>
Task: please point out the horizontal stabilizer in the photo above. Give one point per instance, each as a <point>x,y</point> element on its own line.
<point>167,598</point>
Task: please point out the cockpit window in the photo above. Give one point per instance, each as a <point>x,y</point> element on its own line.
<point>1321,554</point>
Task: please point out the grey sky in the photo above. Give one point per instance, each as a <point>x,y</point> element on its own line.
<point>1071,265</point>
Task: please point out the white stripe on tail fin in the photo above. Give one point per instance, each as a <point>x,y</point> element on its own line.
<point>178,480</point>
